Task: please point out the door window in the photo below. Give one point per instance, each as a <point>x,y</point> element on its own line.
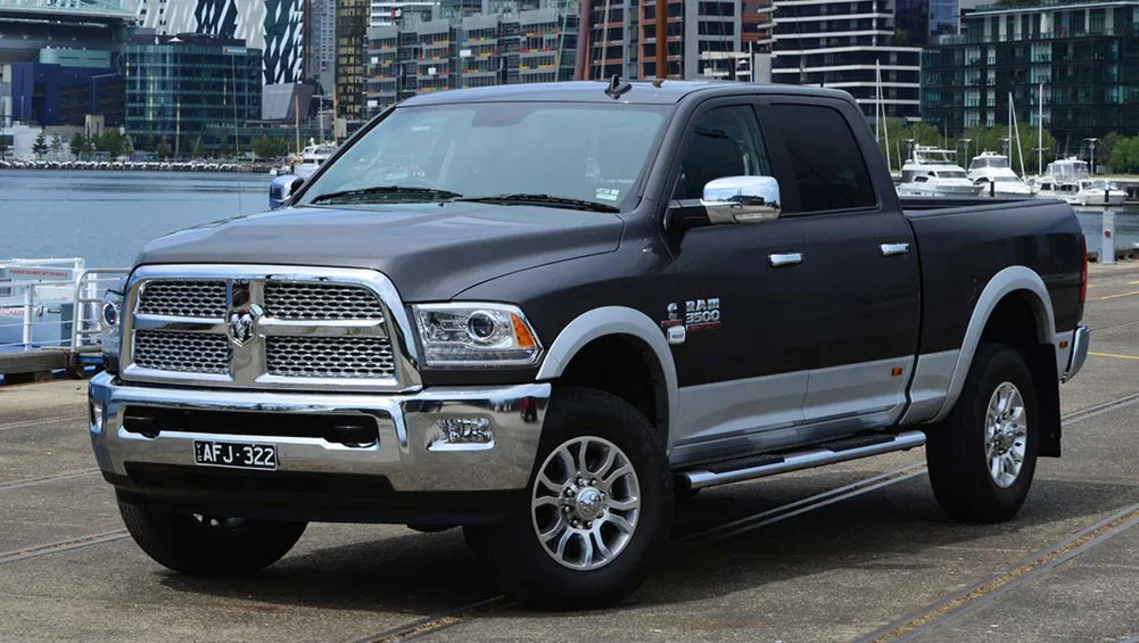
<point>724,142</point>
<point>825,159</point>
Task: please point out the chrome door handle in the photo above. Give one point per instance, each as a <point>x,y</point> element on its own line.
<point>785,259</point>
<point>892,249</point>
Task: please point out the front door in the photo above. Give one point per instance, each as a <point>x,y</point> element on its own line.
<point>741,294</point>
<point>861,272</point>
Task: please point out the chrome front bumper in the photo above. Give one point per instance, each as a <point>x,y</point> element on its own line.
<point>1079,353</point>
<point>412,453</point>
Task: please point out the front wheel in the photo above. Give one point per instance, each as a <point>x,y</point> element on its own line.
<point>983,455</point>
<point>207,545</point>
<point>597,510</point>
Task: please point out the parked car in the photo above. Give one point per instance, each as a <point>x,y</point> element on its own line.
<point>576,301</point>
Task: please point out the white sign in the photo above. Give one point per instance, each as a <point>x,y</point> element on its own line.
<point>38,273</point>
<point>465,53</point>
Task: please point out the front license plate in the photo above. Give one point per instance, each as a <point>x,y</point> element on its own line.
<point>239,455</point>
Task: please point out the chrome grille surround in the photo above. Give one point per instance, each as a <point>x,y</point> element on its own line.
<point>293,328</point>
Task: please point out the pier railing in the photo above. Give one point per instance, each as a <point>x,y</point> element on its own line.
<point>49,312</point>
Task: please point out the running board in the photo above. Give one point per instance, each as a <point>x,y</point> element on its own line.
<point>718,473</point>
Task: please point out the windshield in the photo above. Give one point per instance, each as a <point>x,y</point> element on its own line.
<point>951,174</point>
<point>588,152</point>
<point>990,161</point>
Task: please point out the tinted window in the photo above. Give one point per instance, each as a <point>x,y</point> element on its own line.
<point>724,142</point>
<point>825,159</point>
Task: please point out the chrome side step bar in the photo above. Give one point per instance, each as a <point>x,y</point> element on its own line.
<point>841,451</point>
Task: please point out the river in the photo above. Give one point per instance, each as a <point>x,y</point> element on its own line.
<point>107,217</point>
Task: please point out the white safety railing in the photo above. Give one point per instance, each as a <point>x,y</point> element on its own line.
<point>34,294</point>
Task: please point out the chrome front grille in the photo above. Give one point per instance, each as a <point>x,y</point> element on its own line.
<point>332,357</point>
<point>293,300</point>
<point>192,298</point>
<point>181,352</point>
<point>273,327</point>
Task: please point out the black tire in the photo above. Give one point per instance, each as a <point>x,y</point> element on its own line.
<point>959,465</point>
<point>193,546</point>
<point>532,576</point>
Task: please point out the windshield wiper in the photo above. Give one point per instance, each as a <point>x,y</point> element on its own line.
<point>523,198</point>
<point>388,190</point>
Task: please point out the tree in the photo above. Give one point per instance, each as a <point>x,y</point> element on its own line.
<point>39,148</point>
<point>163,149</point>
<point>78,144</point>
<point>3,147</point>
<point>1105,145</point>
<point>270,146</point>
<point>113,143</point>
<point>56,145</point>
<point>1125,155</point>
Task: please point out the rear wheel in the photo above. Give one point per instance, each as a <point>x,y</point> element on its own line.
<point>598,509</point>
<point>982,457</point>
<point>208,545</point>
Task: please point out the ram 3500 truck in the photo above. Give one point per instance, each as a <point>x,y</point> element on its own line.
<point>541,312</point>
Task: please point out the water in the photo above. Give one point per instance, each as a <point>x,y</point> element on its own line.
<point>107,217</point>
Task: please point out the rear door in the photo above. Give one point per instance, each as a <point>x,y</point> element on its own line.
<point>860,264</point>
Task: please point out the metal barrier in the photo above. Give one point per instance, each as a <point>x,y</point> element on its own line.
<point>55,305</point>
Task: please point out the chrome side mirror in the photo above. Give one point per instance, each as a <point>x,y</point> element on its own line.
<point>742,199</point>
<point>282,189</point>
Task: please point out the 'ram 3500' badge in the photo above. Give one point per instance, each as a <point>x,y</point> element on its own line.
<point>699,314</point>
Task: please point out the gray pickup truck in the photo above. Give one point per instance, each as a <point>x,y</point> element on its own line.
<point>544,313</point>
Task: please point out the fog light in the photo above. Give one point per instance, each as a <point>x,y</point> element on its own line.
<point>463,434</point>
<point>98,418</point>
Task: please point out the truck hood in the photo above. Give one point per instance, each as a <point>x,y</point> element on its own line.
<point>430,251</point>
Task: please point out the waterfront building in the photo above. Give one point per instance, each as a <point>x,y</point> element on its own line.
<point>191,91</point>
<point>274,27</point>
<point>49,94</point>
<point>1084,54</point>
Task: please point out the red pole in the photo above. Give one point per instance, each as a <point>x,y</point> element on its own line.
<point>584,29</point>
<point>662,38</point>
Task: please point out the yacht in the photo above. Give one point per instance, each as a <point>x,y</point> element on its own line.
<point>1069,179</point>
<point>991,171</point>
<point>1099,192</point>
<point>312,157</point>
<point>934,172</point>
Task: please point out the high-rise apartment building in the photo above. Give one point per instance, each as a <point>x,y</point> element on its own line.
<point>320,43</point>
<point>844,44</point>
<point>1082,56</point>
<point>351,42</point>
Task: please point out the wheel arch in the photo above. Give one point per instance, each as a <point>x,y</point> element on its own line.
<point>1012,286</point>
<point>634,330</point>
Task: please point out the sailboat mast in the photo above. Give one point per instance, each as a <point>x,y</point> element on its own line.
<point>877,99</point>
<point>1040,135</point>
<point>1015,130</point>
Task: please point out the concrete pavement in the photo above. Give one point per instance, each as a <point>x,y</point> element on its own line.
<point>884,563</point>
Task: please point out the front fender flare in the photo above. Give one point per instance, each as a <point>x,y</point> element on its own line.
<point>614,320</point>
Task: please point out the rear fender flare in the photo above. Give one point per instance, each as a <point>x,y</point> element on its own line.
<point>1006,281</point>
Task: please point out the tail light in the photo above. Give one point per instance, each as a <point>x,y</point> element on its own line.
<point>1084,272</point>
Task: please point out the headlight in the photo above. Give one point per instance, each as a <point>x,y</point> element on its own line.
<point>476,335</point>
<point>111,325</point>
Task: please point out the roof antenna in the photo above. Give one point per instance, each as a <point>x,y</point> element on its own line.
<point>616,89</point>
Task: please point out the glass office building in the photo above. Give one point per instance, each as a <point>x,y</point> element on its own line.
<point>191,91</point>
<point>1084,55</point>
